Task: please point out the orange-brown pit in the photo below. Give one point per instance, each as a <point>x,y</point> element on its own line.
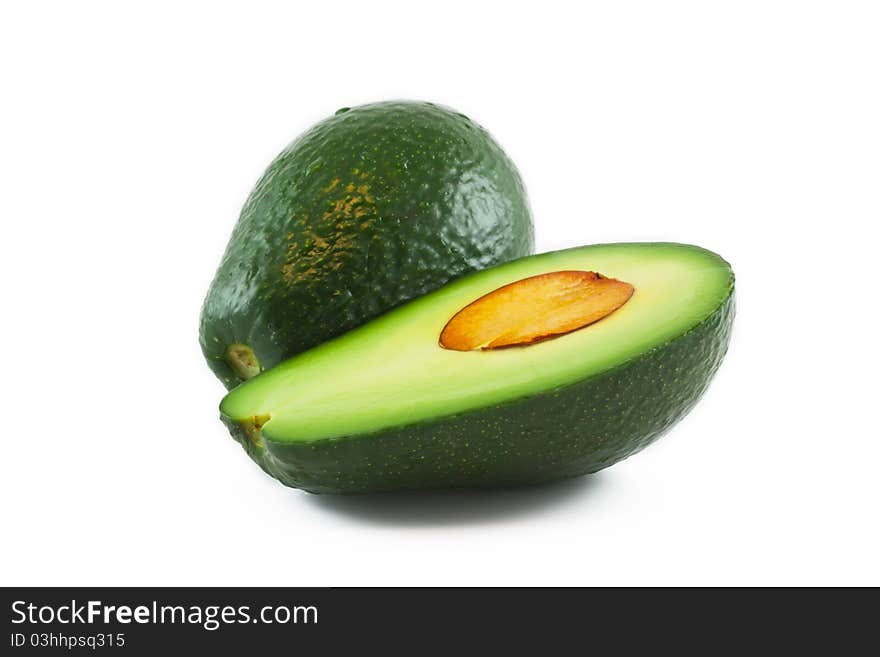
<point>534,309</point>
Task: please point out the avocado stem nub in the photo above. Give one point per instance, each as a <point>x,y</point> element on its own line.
<point>534,309</point>
<point>252,428</point>
<point>243,361</point>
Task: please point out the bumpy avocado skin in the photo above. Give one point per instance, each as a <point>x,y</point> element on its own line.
<point>368,209</point>
<point>577,429</point>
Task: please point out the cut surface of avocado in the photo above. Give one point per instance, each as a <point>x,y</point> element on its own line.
<point>393,371</point>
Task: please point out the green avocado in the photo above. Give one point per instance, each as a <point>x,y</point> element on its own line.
<point>388,407</point>
<point>372,207</point>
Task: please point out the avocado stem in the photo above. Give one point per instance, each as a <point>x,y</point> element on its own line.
<point>243,361</point>
<point>252,428</point>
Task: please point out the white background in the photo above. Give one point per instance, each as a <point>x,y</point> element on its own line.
<point>130,137</point>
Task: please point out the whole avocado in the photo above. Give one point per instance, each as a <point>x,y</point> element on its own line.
<point>368,209</point>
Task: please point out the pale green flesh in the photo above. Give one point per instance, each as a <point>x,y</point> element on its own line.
<point>393,372</point>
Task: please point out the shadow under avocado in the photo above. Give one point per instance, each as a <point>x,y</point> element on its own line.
<point>458,506</point>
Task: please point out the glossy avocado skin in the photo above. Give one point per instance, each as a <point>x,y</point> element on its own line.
<point>368,209</point>
<point>577,429</point>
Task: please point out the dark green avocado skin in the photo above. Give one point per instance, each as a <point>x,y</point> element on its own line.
<point>574,430</point>
<point>368,209</point>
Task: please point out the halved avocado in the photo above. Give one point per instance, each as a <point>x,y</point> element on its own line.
<point>547,367</point>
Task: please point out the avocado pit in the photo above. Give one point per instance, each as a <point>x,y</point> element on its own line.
<point>534,309</point>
